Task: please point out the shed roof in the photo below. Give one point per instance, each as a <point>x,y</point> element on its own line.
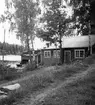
<point>77,41</point>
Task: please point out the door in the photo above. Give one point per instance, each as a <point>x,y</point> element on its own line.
<point>67,56</point>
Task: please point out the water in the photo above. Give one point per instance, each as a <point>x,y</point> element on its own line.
<point>11,57</point>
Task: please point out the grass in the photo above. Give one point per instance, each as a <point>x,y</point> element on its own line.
<point>74,91</point>
<point>78,90</point>
<point>90,60</point>
<point>69,70</point>
<point>7,73</point>
<point>28,86</point>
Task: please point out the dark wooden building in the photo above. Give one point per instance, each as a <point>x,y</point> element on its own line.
<point>73,48</point>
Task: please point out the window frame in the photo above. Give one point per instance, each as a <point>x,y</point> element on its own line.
<point>79,53</point>
<point>47,54</point>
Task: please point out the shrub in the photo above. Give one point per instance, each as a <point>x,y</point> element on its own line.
<point>30,66</point>
<point>90,60</point>
<point>6,72</point>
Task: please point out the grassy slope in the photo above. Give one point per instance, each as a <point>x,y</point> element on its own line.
<point>77,90</point>
<point>43,84</point>
<point>76,87</point>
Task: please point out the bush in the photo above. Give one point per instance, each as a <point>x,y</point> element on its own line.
<point>30,66</point>
<point>6,72</point>
<point>90,60</point>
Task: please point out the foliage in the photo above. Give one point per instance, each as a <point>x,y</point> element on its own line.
<point>22,14</point>
<point>26,11</point>
<point>30,66</point>
<point>81,15</point>
<point>10,48</point>
<point>22,20</point>
<point>90,60</point>
<point>7,73</point>
<point>8,15</point>
<point>54,20</point>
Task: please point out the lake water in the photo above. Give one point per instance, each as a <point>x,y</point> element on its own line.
<point>11,57</point>
<point>15,59</point>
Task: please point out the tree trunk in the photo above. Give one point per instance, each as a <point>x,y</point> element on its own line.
<point>33,50</point>
<point>60,49</point>
<point>28,49</point>
<point>60,42</point>
<point>90,46</point>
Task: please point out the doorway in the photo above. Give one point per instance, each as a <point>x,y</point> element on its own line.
<point>67,56</point>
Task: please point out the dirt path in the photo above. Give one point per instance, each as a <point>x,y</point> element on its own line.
<point>39,96</point>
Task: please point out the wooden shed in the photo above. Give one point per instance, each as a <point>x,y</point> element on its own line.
<point>73,48</point>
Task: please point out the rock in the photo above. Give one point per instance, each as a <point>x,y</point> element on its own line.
<point>12,87</point>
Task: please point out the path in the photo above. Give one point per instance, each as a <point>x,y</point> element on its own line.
<point>39,97</point>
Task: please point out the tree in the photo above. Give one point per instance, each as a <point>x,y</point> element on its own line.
<point>81,16</point>
<point>7,18</point>
<point>55,22</point>
<point>25,12</point>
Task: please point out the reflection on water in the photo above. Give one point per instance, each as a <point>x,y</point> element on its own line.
<point>11,57</point>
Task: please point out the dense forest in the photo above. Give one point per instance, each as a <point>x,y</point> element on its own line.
<point>6,48</point>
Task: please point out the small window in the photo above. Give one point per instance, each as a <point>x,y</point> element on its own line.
<point>47,54</point>
<point>79,53</point>
<point>56,53</point>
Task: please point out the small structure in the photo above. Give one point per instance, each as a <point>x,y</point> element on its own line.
<point>25,57</point>
<point>73,48</point>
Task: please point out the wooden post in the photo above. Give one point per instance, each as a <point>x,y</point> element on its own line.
<point>41,56</point>
<point>37,60</point>
<point>90,46</point>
